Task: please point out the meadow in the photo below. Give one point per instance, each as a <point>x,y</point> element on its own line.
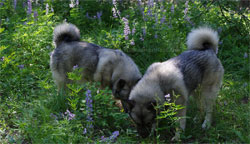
<point>33,111</point>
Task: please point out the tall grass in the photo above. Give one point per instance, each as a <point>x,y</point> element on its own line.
<point>33,111</point>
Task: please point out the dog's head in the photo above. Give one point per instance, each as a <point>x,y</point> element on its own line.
<point>143,115</point>
<point>141,105</point>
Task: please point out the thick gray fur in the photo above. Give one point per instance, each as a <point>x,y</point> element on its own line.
<point>113,68</point>
<point>198,67</point>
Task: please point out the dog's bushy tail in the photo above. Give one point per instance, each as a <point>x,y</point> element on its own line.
<point>66,32</point>
<point>203,38</point>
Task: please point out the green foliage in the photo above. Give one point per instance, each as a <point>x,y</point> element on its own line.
<point>32,111</point>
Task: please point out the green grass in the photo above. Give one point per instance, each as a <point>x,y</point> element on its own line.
<point>29,100</point>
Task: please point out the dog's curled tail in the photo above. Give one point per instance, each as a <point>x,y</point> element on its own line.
<point>66,32</point>
<point>203,38</point>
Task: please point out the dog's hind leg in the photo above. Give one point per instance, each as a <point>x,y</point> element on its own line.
<point>208,96</point>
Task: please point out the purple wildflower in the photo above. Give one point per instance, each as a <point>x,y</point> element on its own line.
<point>150,3</point>
<point>156,36</point>
<point>133,31</point>
<point>163,19</point>
<point>186,8</point>
<point>2,58</point>
<point>53,116</point>
<point>84,131</point>
<point>188,20</point>
<point>47,8</point>
<point>114,2</point>
<point>75,67</point>
<point>156,18</point>
<point>24,4</point>
<point>89,109</point>
<point>29,10</point>
<point>71,5</point>
<point>21,66</point>
<point>99,14</point>
<point>141,38</point>
<point>14,4</point>
<point>77,2</point>
<point>220,42</point>
<point>132,42</point>
<point>114,12</point>
<point>69,115</point>
<point>162,8</point>
<point>35,15</point>
<point>144,32</point>
<point>149,12</point>
<point>87,15</point>
<point>167,97</point>
<point>172,8</point>
<point>245,55</point>
<point>126,28</point>
<point>52,10</point>
<point>114,135</point>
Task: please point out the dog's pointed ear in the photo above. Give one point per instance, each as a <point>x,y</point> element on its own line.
<point>120,84</point>
<point>151,105</point>
<point>128,105</point>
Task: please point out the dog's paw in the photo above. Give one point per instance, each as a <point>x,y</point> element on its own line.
<point>206,125</point>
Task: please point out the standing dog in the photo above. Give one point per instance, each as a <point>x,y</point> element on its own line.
<point>181,75</point>
<point>112,68</point>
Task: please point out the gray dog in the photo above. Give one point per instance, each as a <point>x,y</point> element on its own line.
<point>198,67</point>
<point>112,68</point>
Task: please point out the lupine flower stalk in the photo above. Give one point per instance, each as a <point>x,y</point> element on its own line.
<point>186,8</point>
<point>163,19</point>
<point>115,10</point>
<point>71,5</point>
<point>172,8</point>
<point>126,28</point>
<point>29,10</point>
<point>47,8</point>
<point>114,135</point>
<point>99,14</point>
<point>89,110</point>
<point>132,42</point>
<point>14,4</point>
<point>21,66</point>
<point>52,10</point>
<point>35,15</point>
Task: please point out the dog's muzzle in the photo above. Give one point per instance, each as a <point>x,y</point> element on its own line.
<point>144,131</point>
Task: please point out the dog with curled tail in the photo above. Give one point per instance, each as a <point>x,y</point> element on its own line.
<point>112,68</point>
<point>196,68</point>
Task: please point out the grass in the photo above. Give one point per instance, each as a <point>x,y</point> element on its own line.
<point>32,110</point>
